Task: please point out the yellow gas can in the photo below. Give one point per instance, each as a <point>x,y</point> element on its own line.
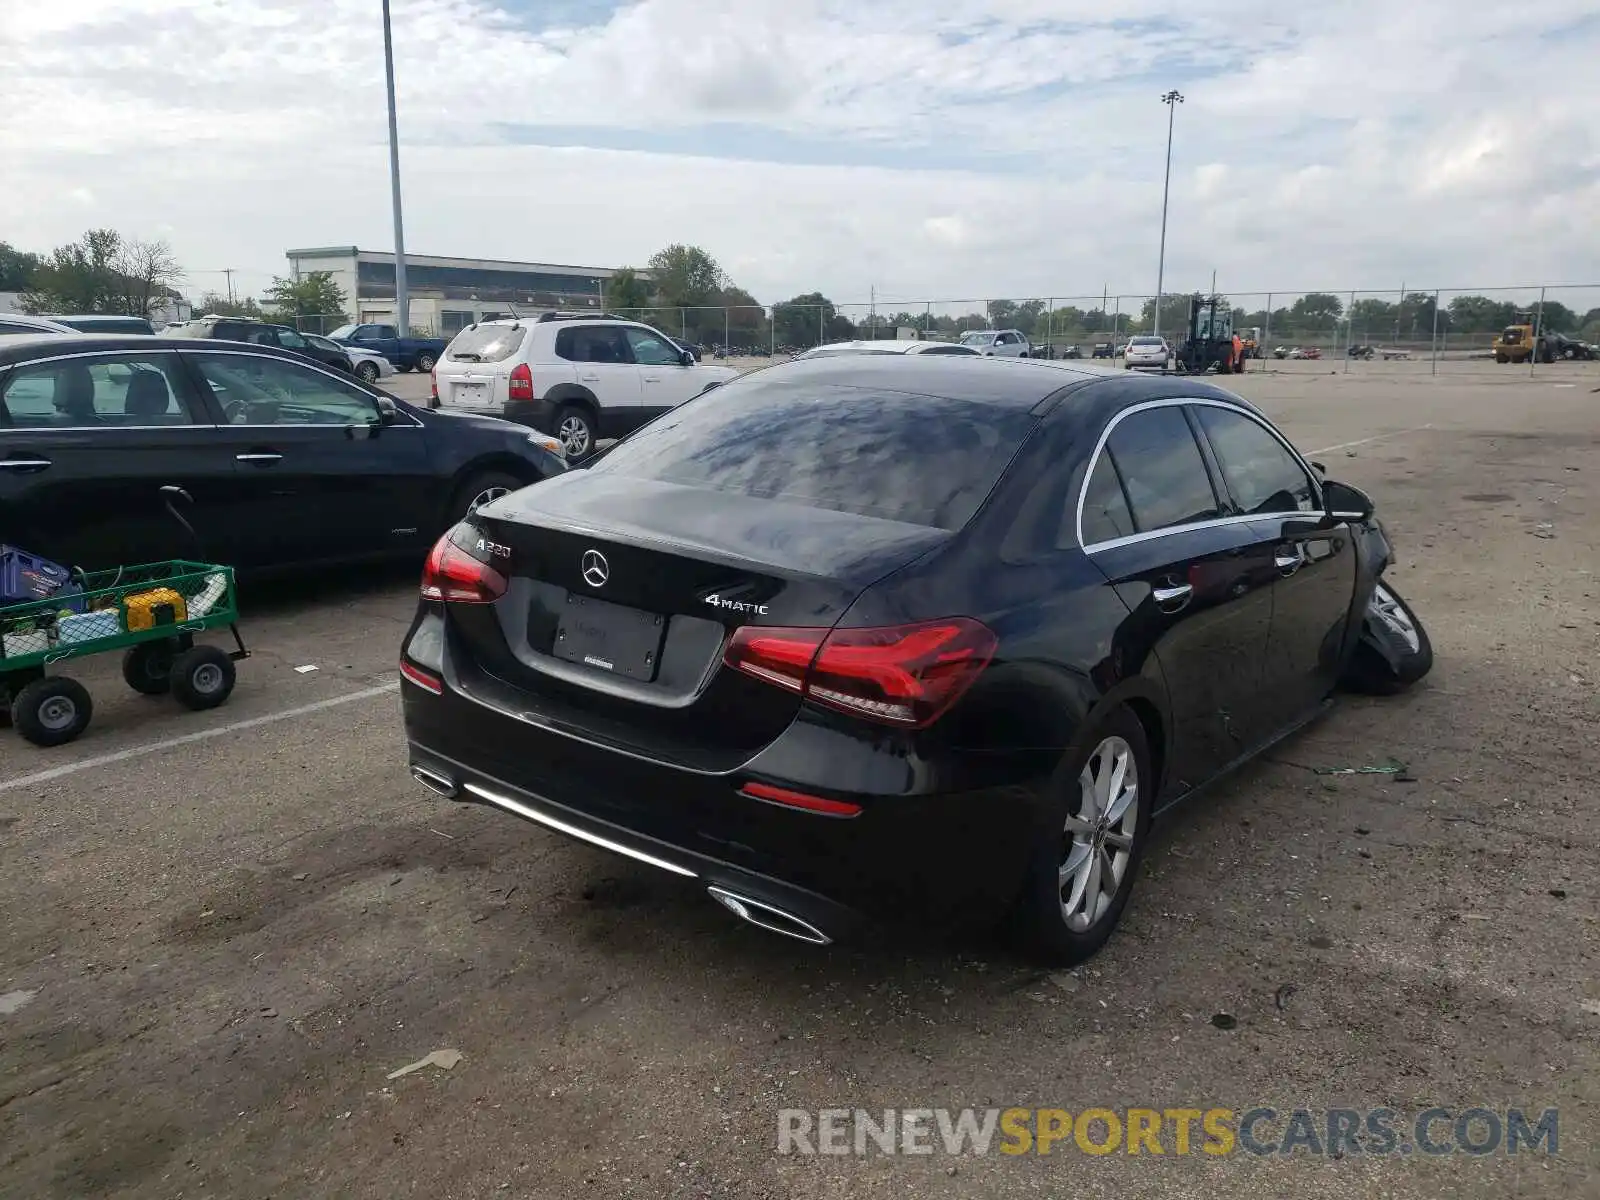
<point>159,606</point>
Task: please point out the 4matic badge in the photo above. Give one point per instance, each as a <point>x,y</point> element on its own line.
<point>742,606</point>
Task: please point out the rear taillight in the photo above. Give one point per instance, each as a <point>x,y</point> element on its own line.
<point>521,386</point>
<point>433,382</point>
<point>900,675</point>
<point>426,680</point>
<point>454,575</point>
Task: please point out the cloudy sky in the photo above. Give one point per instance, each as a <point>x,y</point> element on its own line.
<point>928,148</point>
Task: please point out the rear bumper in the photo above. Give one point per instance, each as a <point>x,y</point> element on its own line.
<point>828,920</point>
<point>952,854</point>
<point>535,414</point>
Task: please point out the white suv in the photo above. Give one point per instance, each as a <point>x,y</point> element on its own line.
<point>578,376</point>
<point>998,343</point>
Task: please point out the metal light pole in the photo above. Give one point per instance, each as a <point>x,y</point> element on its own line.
<point>402,297</point>
<point>1171,99</point>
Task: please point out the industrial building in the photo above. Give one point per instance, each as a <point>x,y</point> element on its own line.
<point>448,294</point>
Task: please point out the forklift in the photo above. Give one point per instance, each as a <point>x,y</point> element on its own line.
<point>1209,340</point>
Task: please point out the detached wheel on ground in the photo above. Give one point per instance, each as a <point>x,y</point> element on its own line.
<point>367,372</point>
<point>1084,866</point>
<point>147,667</point>
<point>1394,651</point>
<point>202,677</point>
<point>53,711</point>
<point>480,490</point>
<point>575,428</point>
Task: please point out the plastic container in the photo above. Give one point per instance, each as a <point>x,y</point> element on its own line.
<point>159,606</point>
<point>86,627</point>
<point>25,576</point>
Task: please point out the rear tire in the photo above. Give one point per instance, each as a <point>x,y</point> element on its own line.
<point>1392,620</point>
<point>202,677</point>
<point>575,427</point>
<point>147,667</point>
<point>1055,915</point>
<point>480,490</point>
<point>425,362</point>
<point>53,711</point>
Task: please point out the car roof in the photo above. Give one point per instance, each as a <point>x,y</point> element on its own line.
<point>1006,382</point>
<point>24,347</point>
<point>43,324</point>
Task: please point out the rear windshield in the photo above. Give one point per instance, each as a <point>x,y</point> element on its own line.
<point>922,460</point>
<point>1149,341</point>
<point>977,339</point>
<point>486,343</point>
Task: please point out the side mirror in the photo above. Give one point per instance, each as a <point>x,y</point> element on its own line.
<point>388,414</point>
<point>1346,502</point>
<point>686,357</point>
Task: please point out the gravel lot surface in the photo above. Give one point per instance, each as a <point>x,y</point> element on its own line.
<point>223,931</point>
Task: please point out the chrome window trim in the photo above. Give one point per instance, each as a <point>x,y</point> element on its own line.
<point>1181,402</point>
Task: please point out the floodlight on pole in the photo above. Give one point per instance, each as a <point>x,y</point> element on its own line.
<point>1171,99</point>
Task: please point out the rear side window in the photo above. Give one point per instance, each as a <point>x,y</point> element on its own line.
<point>922,460</point>
<point>1105,506</point>
<point>1162,472</point>
<point>486,343</point>
<point>593,343</point>
<point>130,390</point>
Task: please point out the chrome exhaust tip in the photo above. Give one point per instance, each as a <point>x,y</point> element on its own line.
<point>441,785</point>
<point>765,916</point>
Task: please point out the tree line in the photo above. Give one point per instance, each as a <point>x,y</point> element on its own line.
<point>686,293</point>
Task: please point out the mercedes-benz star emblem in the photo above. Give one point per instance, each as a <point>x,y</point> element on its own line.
<point>596,570</point>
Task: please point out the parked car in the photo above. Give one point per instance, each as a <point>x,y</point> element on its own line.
<point>367,365</point>
<point>899,637</point>
<point>1145,351</point>
<point>892,346</point>
<point>998,343</point>
<point>104,323</point>
<point>289,462</point>
<point>406,353</point>
<point>1104,350</point>
<point>578,376</point>
<point>21,324</point>
<point>263,333</point>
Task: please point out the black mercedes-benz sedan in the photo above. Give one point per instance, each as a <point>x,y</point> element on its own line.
<point>289,463</point>
<point>896,638</point>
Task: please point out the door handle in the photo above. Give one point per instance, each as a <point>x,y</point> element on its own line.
<point>652,379</point>
<point>257,458</point>
<point>589,378</point>
<point>1173,596</point>
<point>25,464</point>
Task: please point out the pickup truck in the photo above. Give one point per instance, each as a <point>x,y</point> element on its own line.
<point>406,353</point>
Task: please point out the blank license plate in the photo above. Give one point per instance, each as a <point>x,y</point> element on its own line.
<point>610,637</point>
<point>469,393</point>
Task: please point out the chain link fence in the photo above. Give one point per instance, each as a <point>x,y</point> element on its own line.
<point>1450,331</point>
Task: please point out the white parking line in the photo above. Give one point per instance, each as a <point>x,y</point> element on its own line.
<point>168,743</point>
<point>1377,437</point>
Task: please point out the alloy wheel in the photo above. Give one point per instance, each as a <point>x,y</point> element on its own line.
<point>1387,608</point>
<point>1098,838</point>
<point>485,496</point>
<point>574,434</point>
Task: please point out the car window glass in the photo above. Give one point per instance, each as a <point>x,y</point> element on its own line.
<point>649,350</point>
<point>382,331</point>
<point>923,460</point>
<point>1105,508</point>
<point>290,340</point>
<point>593,343</point>
<point>1261,474</point>
<point>262,336</point>
<point>268,391</point>
<point>1162,471</point>
<point>115,390</point>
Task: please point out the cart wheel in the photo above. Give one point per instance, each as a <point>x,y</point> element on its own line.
<point>50,712</point>
<point>147,667</point>
<point>202,677</point>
